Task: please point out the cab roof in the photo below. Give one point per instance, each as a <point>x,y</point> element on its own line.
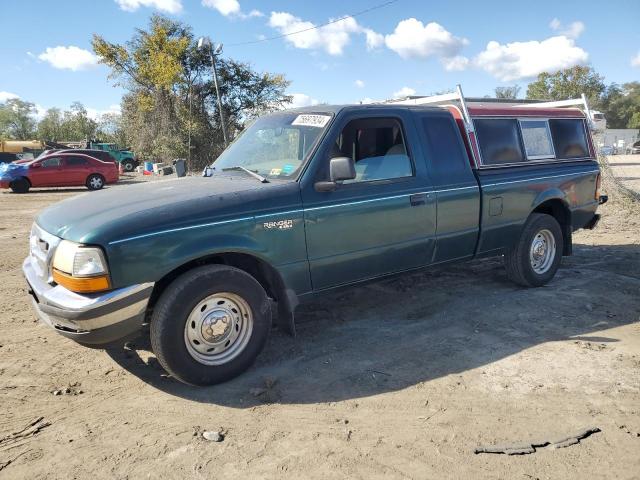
<point>475,109</point>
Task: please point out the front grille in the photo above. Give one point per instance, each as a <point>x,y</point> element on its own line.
<point>42,246</point>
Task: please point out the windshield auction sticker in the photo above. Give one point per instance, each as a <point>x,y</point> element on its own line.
<point>308,120</point>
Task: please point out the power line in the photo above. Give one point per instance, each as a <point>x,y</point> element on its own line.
<point>362,12</point>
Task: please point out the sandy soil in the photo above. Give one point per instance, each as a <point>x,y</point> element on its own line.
<point>399,379</point>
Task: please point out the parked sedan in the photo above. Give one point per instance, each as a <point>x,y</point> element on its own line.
<point>59,170</point>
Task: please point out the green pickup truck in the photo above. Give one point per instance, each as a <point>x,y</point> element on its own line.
<point>305,201</point>
<point>124,157</point>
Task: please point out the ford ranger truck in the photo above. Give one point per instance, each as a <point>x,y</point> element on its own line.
<point>302,202</point>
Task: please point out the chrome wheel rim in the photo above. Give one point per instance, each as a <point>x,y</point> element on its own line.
<point>95,182</point>
<point>542,251</point>
<point>218,328</point>
<point>128,166</point>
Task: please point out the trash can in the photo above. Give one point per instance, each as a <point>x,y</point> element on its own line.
<point>180,165</point>
<point>148,166</point>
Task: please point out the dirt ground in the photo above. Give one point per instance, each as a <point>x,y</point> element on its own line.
<point>403,378</point>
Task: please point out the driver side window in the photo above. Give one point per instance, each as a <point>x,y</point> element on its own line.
<point>378,148</point>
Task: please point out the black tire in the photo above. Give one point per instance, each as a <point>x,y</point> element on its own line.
<point>180,299</point>
<point>95,181</point>
<point>518,261</point>
<point>128,165</point>
<point>20,185</point>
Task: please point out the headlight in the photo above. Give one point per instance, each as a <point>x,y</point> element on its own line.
<point>79,268</point>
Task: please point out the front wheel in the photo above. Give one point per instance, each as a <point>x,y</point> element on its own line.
<point>20,185</point>
<point>210,324</point>
<point>535,259</point>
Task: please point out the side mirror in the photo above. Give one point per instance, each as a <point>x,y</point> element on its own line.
<point>36,165</point>
<point>340,169</point>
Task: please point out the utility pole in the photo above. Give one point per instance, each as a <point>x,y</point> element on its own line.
<point>205,43</point>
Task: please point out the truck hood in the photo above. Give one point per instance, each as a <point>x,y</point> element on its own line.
<point>124,211</point>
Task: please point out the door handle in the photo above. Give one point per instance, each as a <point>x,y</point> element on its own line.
<point>418,199</point>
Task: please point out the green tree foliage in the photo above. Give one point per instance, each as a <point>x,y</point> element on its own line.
<point>71,125</point>
<point>568,83</point>
<point>111,130</point>
<point>50,127</point>
<point>621,105</point>
<point>17,119</point>
<point>507,92</point>
<point>171,100</point>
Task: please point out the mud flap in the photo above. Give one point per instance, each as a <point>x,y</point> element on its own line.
<point>286,316</point>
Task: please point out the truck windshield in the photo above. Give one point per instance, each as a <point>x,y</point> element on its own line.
<point>275,146</point>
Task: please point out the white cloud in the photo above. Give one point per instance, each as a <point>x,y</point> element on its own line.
<point>169,6</point>
<point>359,83</point>
<point>4,96</point>
<point>225,7</point>
<point>301,100</point>
<point>332,38</point>
<point>573,30</point>
<point>412,39</point>
<point>374,39</point>
<point>455,64</point>
<point>69,58</point>
<point>518,60</point>
<point>231,8</point>
<point>404,92</point>
<point>95,113</point>
<point>635,61</point>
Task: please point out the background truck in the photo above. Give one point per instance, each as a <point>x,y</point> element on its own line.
<point>123,156</point>
<point>306,201</point>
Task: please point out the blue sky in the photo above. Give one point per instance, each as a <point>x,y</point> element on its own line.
<point>408,46</point>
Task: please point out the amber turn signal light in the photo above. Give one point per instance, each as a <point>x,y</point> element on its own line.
<point>598,183</point>
<point>82,284</point>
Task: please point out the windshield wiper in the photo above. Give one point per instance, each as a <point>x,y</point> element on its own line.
<point>250,172</point>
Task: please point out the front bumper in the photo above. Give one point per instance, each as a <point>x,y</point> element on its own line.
<point>90,319</point>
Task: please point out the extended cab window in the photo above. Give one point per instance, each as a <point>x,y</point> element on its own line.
<point>569,138</point>
<point>447,156</point>
<point>499,141</point>
<point>537,139</point>
<point>377,146</point>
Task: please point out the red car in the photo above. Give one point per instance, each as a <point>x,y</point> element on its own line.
<point>59,170</point>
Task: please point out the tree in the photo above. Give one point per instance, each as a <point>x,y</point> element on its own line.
<point>77,124</point>
<point>508,92</point>
<point>50,127</point>
<point>17,119</point>
<point>111,130</point>
<point>621,105</point>
<point>73,124</point>
<point>568,83</point>
<point>171,101</point>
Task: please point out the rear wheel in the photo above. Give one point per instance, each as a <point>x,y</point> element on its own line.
<point>95,182</point>
<point>535,259</point>
<point>128,165</point>
<point>20,185</point>
<point>210,324</point>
